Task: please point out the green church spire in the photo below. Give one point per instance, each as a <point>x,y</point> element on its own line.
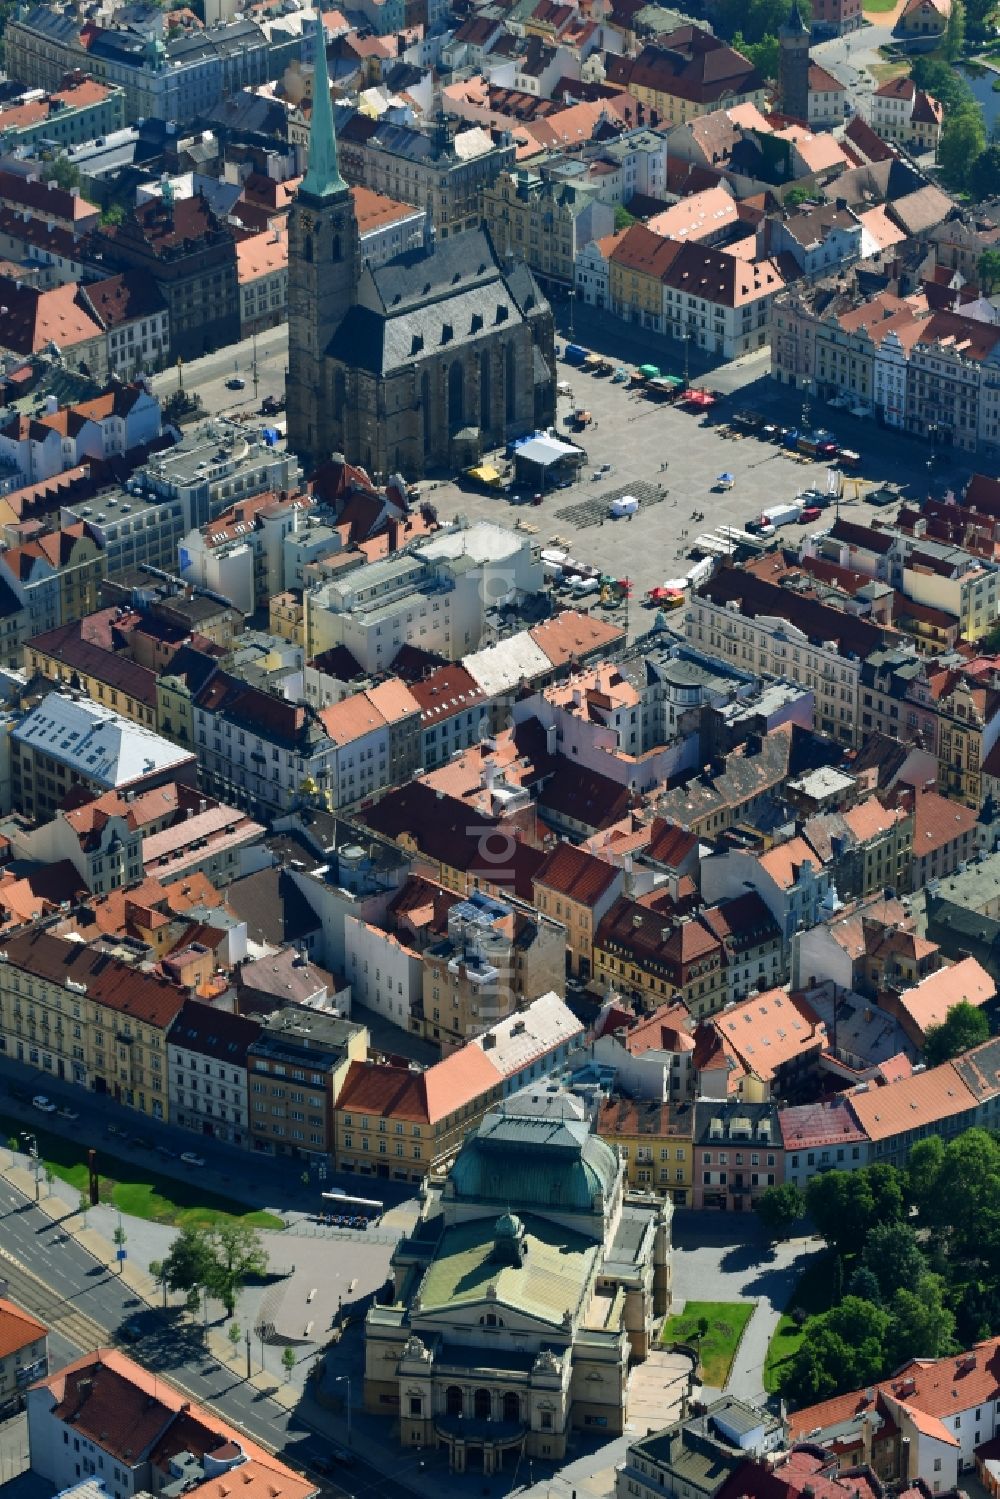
<point>322,179</point>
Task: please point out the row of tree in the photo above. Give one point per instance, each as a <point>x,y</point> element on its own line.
<point>915,1257</point>
<point>216,1261</point>
<point>969,161</point>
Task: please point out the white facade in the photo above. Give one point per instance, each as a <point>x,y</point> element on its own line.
<point>207,1096</point>
<point>889,368</point>
<point>795,907</point>
<point>383,972</point>
<point>112,858</point>
<point>591,276</point>
<point>774,645</point>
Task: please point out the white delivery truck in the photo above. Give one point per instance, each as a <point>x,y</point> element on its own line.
<point>783,512</point>
<point>700,572</point>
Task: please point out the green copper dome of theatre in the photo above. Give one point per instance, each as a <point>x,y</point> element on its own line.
<point>535,1163</point>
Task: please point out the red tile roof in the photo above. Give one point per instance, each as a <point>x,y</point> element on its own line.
<point>579,876</point>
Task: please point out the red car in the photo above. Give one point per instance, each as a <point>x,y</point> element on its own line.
<point>810,513</point>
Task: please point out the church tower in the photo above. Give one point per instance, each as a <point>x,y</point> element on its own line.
<point>793,67</point>
<point>324,263</point>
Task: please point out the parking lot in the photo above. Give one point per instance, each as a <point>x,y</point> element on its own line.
<point>670,457</point>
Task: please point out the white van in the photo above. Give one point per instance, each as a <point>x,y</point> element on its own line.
<point>625,504</point>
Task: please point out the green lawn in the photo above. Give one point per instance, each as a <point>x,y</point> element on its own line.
<point>885,72</point>
<point>136,1190</point>
<point>812,1295</point>
<point>877,7</point>
<point>726,1321</point>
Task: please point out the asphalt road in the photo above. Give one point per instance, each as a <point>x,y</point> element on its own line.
<point>209,374</point>
<point>255,1179</point>
<point>87,1306</point>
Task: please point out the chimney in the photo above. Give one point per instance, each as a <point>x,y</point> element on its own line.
<point>866,1439</point>
<point>393,534</point>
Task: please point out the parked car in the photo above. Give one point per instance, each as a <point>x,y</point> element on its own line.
<point>44,1104</point>
<point>69,1114</point>
<point>190,1159</point>
<point>341,1456</point>
<point>131,1332</point>
<point>810,513</point>
<point>236,382</point>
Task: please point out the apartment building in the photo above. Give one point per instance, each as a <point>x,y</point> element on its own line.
<point>654,1140</point>
<point>446,174</point>
<point>79,110</point>
<point>908,115</point>
<point>84,1017</point>
<point>649,958</point>
<point>766,627</point>
<point>738,1154</point>
<point>401,1123</point>
<point>498,956</point>
<point>297,1067</point>
<point>207,1059</point>
<point>23,1354</point>
<point>544,222</point>
<point>454,714</point>
<point>66,742</point>
<point>577,889</point>
<point>376,742</point>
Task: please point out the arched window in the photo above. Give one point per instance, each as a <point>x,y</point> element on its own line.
<point>453,1400</point>
<point>307,249</point>
<point>335,249</point>
<point>510,382</point>
<point>483,1405</point>
<point>484,391</point>
<point>425,408</point>
<point>456,396</point>
<point>511,1406</point>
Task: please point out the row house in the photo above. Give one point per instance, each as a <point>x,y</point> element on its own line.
<point>256,750</point>
<point>708,297</point>
<point>906,114</point>
<point>768,628</point>
<point>83,1017</point>
<point>578,889</point>
<point>297,1067</point>
<point>649,957</point>
<point>545,223</point>
<point>737,1152</point>
<point>207,1053</point>
<point>375,742</point>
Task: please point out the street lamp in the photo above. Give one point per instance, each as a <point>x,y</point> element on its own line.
<point>32,1144</point>
<point>572,302</point>
<point>248,1352</point>
<point>346,1379</point>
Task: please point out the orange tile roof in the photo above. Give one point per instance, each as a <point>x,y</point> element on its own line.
<point>768,1030</point>
<point>938,821</point>
<point>261,255</point>
<point>129,1411</point>
<point>576,875</point>
<point>913,1103</point>
<point>783,862</point>
<point>569,635</point>
<point>374,210</point>
<point>390,1092</point>
<point>928,1002</point>
<point>17,1328</point>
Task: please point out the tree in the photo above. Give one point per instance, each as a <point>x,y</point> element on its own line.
<point>984,182</point>
<point>963,139</point>
<point>864,1285</point>
<point>234,1334</point>
<point>765,54</point>
<point>83,1207</point>
<point>623,218</point>
<point>779,1208</point>
<point>797,195</point>
<point>843,1348</point>
<point>236,1252</point>
<point>753,19</point>
<point>841,1206</point>
<point>837,1282</point>
<point>977,16</point>
<point>964,1027</point>
<point>923,1167</point>
<point>121,1238</point>
<point>921,1325</point>
<point>954,36</point>
<point>188,1265</point>
<point>288,1362</point>
<point>894,1257</point>
<point>62,172</point>
<point>944,83</point>
<point>886,1184</point>
<point>113,214</point>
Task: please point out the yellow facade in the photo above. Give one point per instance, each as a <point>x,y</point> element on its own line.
<point>674,111</point>
<point>656,1160</point>
<point>174,713</point>
<point>108,694</point>
<point>634,292</point>
<point>531,221</point>
<point>72,1038</point>
<point>286,617</point>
